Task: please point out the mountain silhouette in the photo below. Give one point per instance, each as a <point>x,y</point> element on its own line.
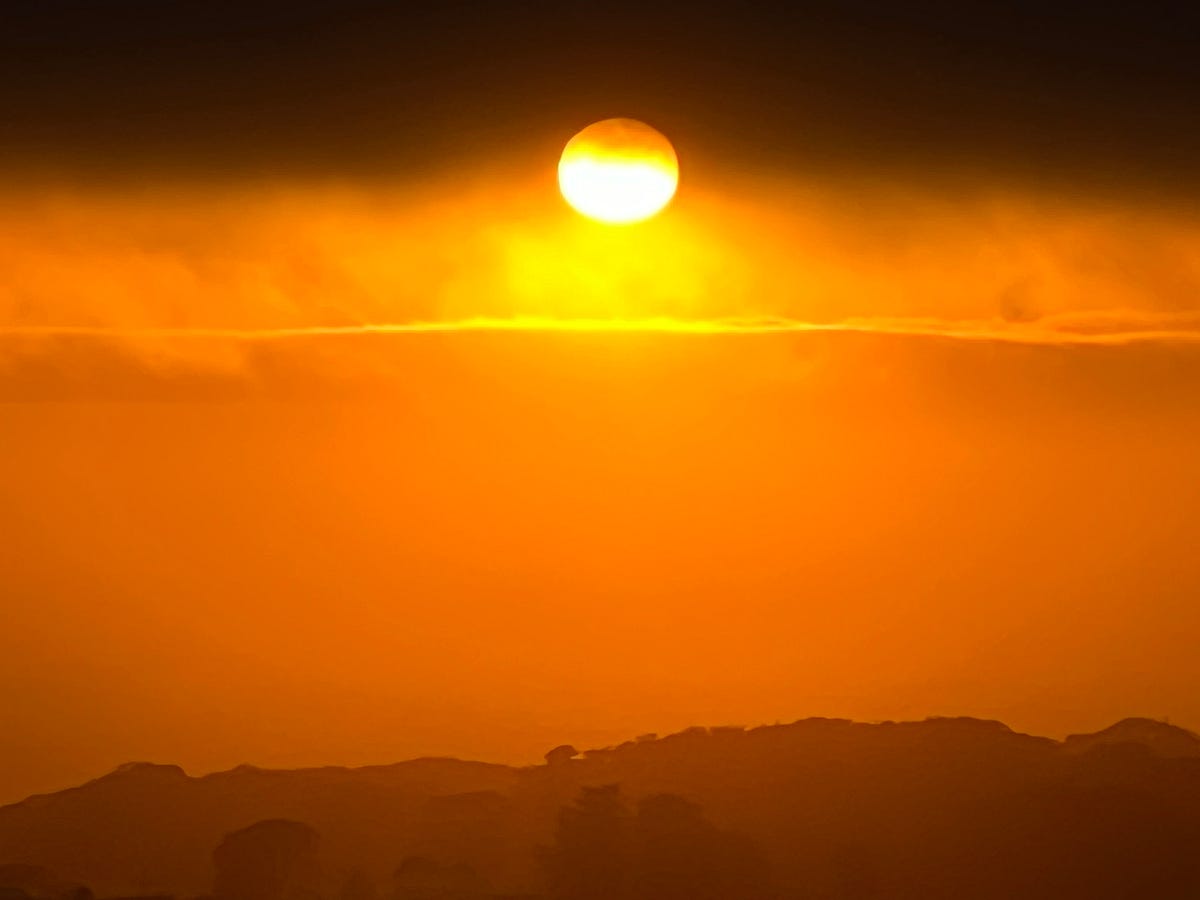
<point>817,808</point>
<point>1157,737</point>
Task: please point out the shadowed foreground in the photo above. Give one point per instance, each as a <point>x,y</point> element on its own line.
<point>819,808</point>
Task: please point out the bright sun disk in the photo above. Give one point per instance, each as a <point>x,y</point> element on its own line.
<point>618,171</point>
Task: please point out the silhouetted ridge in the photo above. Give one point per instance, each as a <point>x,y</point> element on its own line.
<point>819,808</point>
<point>1160,738</point>
<point>146,770</point>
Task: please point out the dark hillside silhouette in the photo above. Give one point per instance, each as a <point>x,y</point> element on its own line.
<point>29,882</point>
<point>272,860</point>
<point>1158,737</point>
<point>593,854</point>
<point>946,808</point>
<point>423,878</point>
<point>667,850</point>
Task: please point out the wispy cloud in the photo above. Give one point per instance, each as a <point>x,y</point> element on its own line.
<point>730,258</point>
<point>1103,327</point>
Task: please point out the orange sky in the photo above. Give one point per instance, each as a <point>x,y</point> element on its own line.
<point>233,533</point>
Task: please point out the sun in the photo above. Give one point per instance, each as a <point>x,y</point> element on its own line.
<point>618,171</point>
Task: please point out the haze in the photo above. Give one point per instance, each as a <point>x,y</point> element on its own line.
<point>330,435</point>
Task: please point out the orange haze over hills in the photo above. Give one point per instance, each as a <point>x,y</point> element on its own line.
<point>243,525</point>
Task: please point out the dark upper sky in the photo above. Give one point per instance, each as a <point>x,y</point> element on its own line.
<point>1101,94</point>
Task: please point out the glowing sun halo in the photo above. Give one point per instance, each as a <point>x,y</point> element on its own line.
<point>618,171</point>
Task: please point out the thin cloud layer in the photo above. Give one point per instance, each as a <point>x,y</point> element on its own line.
<point>1112,327</point>
<point>726,256</point>
<point>864,360</point>
<point>282,290</point>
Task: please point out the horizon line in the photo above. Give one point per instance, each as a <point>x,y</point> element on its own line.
<point>708,731</point>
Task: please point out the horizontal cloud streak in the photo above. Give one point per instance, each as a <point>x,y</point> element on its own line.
<point>1111,328</point>
<point>294,291</point>
<point>855,363</point>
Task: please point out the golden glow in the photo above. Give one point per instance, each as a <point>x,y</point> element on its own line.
<point>618,171</point>
<point>254,260</point>
<point>653,407</point>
